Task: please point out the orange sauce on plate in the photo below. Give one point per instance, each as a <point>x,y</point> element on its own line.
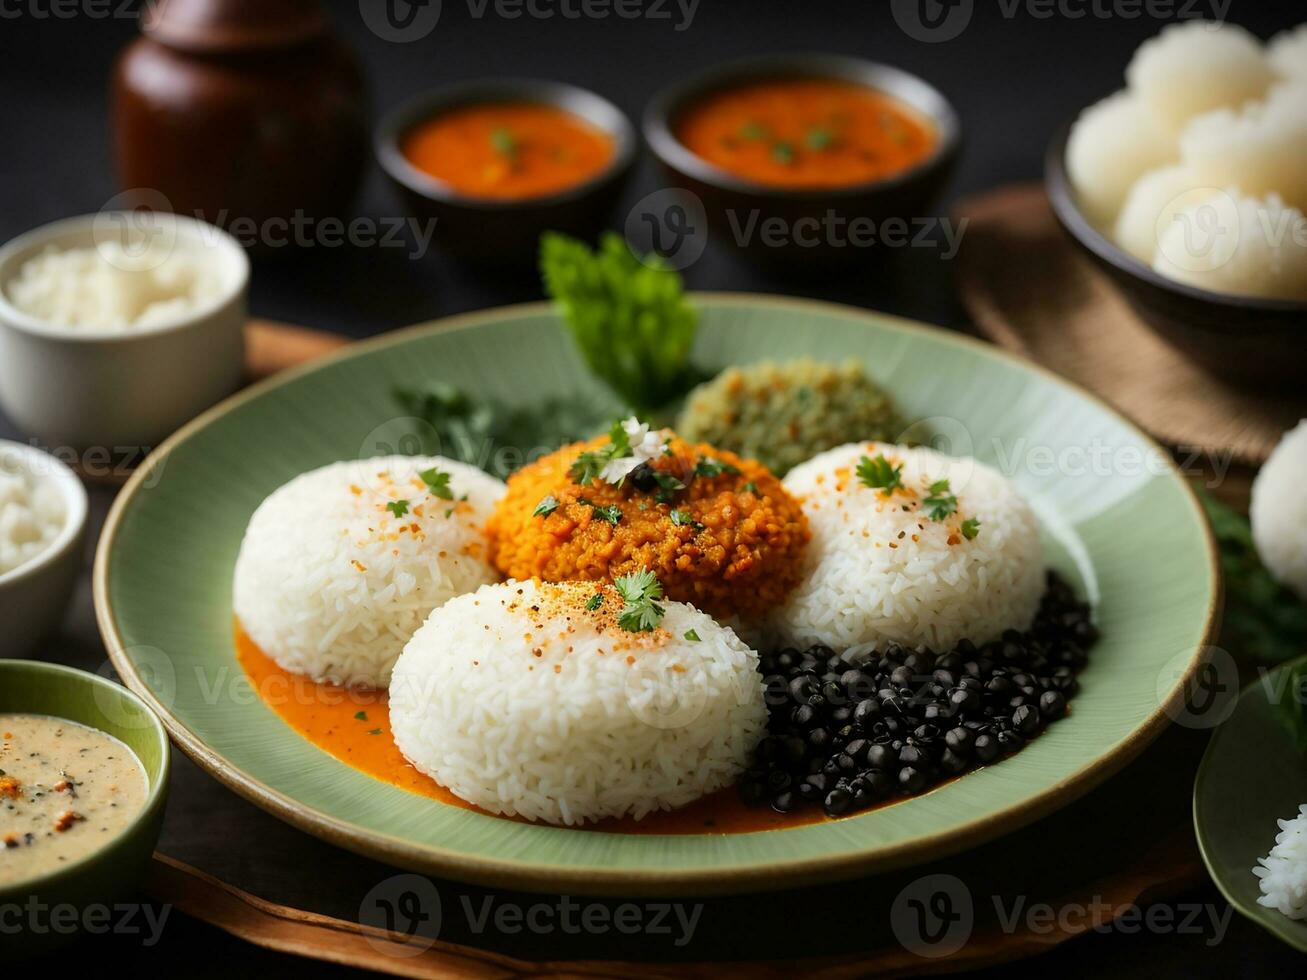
<point>806,133</point>
<point>509,151</point>
<point>353,726</point>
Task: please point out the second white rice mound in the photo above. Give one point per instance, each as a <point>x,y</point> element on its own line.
<point>1112,144</point>
<point>1287,52</point>
<point>879,570</point>
<point>1282,874</point>
<point>524,701</point>
<point>1279,511</point>
<point>1195,67</point>
<point>340,566</point>
<point>1151,207</point>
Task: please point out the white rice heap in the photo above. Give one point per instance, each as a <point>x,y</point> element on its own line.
<point>32,513</point>
<point>1282,874</point>
<point>1243,246</point>
<point>1195,67</point>
<point>1287,52</point>
<point>1279,510</point>
<point>879,571</point>
<point>1112,144</point>
<point>331,584</point>
<point>522,701</point>
<point>1151,206</point>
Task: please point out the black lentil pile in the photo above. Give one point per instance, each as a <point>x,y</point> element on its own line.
<point>847,731</point>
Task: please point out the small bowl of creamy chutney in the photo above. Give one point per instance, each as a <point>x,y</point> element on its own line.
<point>83,782</point>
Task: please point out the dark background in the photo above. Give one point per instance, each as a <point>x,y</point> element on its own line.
<point>1012,78</point>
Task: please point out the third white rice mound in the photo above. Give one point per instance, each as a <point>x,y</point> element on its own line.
<point>912,547</point>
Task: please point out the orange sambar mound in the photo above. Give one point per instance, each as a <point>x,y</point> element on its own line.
<point>743,560</point>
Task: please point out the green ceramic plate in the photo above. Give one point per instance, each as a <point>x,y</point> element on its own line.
<point>1121,523</point>
<point>1251,776</point>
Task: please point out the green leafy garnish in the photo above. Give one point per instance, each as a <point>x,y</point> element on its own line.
<point>437,482</point>
<point>546,506</point>
<point>612,513</point>
<point>375,731</point>
<point>504,143</point>
<point>939,502</point>
<point>640,591</point>
<point>750,487</point>
<point>595,601</point>
<point>682,518</point>
<point>667,482</point>
<point>360,716</point>
<point>819,138</point>
<point>880,474</point>
<point>753,130</point>
<point>587,467</point>
<point>629,317</point>
<point>708,467</point>
<point>398,507</point>
<point>1263,619</point>
<point>692,636</point>
<point>782,152</point>
<point>970,528</point>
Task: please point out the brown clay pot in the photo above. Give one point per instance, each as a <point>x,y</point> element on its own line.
<point>241,109</point>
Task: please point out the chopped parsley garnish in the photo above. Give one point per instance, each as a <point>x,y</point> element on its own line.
<point>819,138</point>
<point>692,636</point>
<point>587,467</point>
<point>782,152</point>
<point>880,474</point>
<point>504,143</point>
<point>709,467</point>
<point>360,716</point>
<point>750,487</point>
<point>398,507</point>
<point>546,506</point>
<point>664,496</point>
<point>594,602</point>
<point>375,731</point>
<point>753,130</point>
<point>682,518</point>
<point>612,513</point>
<point>667,482</point>
<point>970,528</point>
<point>449,511</point>
<point>940,503</point>
<point>640,591</point>
<point>437,483</point>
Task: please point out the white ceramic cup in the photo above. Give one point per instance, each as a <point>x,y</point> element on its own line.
<point>34,595</point>
<point>84,388</point>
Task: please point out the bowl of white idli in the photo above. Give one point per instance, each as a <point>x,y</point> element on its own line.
<point>1187,189</point>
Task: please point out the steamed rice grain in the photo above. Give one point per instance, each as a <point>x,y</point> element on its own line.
<point>1112,144</point>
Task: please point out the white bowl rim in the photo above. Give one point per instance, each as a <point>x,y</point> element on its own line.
<point>11,316</point>
<point>76,506</point>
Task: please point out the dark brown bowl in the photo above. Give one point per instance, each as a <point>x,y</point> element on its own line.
<point>730,202</point>
<point>1244,339</point>
<point>506,231</point>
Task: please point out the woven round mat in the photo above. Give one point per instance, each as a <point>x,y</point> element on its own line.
<point>1028,289</point>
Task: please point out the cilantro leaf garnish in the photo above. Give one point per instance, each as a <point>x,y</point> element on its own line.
<point>595,601</point>
<point>546,506</point>
<point>880,474</point>
<point>692,636</point>
<point>970,528</point>
<point>708,467</point>
<point>819,138</point>
<point>503,142</point>
<point>750,487</point>
<point>437,482</point>
<point>940,503</point>
<point>589,465</point>
<point>753,130</point>
<point>360,716</point>
<point>398,507</point>
<point>782,152</point>
<point>682,518</point>
<point>612,513</point>
<point>667,482</point>
<point>640,591</point>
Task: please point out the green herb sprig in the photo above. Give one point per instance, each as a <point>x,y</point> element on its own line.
<point>640,592</point>
<point>880,474</point>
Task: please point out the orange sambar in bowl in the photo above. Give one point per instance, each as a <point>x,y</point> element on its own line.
<point>806,133</point>
<point>509,151</point>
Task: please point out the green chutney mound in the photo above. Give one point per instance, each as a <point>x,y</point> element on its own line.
<point>784,413</point>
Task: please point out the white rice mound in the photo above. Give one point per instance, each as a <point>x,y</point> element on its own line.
<point>1260,149</point>
<point>1152,205</point>
<point>1112,144</point>
<point>1287,52</point>
<point>876,573</point>
<point>1279,511</point>
<point>1238,245</point>
<point>331,584</point>
<point>520,700</point>
<point>1195,67</point>
<point>1282,874</point>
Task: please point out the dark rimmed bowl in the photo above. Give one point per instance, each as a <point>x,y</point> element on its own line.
<point>725,196</point>
<point>115,872</point>
<point>492,230</point>
<point>1244,339</point>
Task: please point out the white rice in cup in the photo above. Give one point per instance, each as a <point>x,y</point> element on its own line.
<point>1287,52</point>
<point>523,701</point>
<point>879,571</point>
<point>1279,511</point>
<point>1151,207</point>
<point>1282,874</point>
<point>1112,144</point>
<point>32,512</point>
<point>1195,67</point>
<point>334,575</point>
